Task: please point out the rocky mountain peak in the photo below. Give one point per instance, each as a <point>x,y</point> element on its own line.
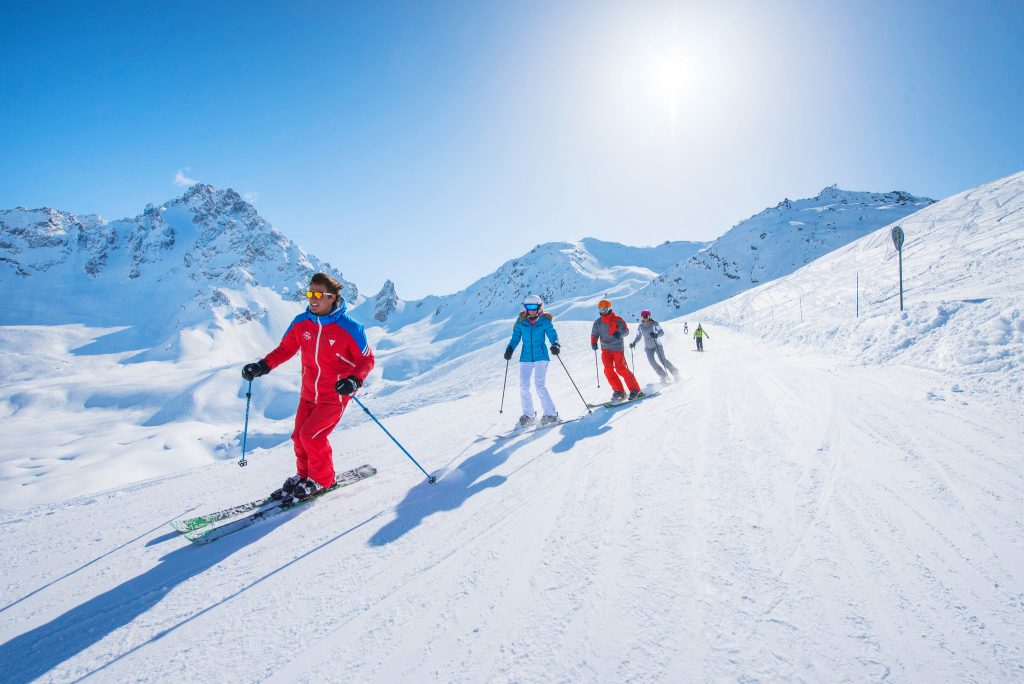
<point>386,302</point>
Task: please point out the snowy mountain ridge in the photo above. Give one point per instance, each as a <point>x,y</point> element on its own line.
<point>671,279</point>
<point>774,243</point>
<point>196,261</point>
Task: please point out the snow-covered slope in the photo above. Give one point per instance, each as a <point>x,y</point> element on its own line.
<point>810,511</point>
<point>963,285</point>
<point>779,516</point>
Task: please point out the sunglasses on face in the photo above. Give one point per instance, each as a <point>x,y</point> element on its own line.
<point>531,307</point>
<point>317,295</point>
<point>604,309</point>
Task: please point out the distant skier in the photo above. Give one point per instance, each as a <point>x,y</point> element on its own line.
<point>610,330</point>
<point>532,327</point>
<point>699,335</point>
<point>652,333</point>
<point>336,359</point>
<point>686,328</point>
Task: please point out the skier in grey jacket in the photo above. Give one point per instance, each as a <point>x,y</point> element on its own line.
<point>651,331</point>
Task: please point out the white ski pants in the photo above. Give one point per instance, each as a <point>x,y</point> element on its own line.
<point>539,371</point>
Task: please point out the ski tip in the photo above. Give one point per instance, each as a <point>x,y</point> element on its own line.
<point>366,470</point>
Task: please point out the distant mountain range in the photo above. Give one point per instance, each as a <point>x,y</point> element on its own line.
<point>207,260</point>
<point>671,279</point>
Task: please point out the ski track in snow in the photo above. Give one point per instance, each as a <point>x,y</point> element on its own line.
<point>772,517</point>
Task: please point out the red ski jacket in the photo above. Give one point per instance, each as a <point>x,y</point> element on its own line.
<point>333,347</point>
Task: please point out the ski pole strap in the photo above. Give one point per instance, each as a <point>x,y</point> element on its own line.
<point>430,478</point>
<point>245,430</point>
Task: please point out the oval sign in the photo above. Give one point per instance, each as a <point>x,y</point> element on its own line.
<point>897,238</point>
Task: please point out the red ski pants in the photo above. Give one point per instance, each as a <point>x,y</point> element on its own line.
<point>313,456</point>
<point>614,366</point>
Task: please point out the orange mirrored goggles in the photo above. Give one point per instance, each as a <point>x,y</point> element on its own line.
<point>318,295</point>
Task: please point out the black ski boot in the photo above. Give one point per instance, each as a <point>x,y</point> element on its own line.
<point>636,394</point>
<point>526,421</point>
<point>306,488</point>
<point>548,420</point>
<point>287,488</point>
<point>618,396</point>
<point>302,490</point>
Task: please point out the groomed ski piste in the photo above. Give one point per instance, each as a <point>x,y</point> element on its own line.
<point>822,497</point>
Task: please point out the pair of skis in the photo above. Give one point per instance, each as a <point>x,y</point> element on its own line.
<point>615,404</point>
<point>204,529</point>
<point>534,428</point>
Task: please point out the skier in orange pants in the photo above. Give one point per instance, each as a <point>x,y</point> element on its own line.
<point>609,329</point>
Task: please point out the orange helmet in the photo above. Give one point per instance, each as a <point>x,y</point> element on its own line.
<point>604,304</point>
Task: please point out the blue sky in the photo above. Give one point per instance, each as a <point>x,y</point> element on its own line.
<point>428,142</point>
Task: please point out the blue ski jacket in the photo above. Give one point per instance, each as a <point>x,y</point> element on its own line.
<point>532,335</point>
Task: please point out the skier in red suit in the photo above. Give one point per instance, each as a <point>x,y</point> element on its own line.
<point>336,358</point>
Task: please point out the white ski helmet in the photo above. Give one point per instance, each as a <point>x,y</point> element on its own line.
<point>533,300</point>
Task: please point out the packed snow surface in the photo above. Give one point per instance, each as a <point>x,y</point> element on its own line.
<point>822,497</point>
<point>775,516</point>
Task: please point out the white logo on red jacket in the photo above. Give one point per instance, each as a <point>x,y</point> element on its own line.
<point>332,342</point>
<point>307,335</point>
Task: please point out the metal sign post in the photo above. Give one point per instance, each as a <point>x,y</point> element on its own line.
<point>897,239</point>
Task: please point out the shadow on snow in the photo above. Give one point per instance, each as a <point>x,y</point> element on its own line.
<point>36,652</point>
<point>471,476</point>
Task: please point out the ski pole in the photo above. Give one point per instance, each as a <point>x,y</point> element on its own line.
<point>430,478</point>
<point>500,408</point>
<point>559,357</point>
<point>245,431</point>
<point>597,371</point>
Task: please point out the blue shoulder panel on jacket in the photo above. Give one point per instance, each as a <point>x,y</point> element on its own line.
<point>297,319</point>
<point>355,329</point>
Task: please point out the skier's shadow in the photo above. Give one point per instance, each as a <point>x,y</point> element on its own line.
<point>468,479</point>
<point>36,652</point>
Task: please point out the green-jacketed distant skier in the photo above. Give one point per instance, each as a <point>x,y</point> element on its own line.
<point>699,335</point>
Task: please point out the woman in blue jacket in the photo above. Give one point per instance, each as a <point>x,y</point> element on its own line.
<point>532,327</point>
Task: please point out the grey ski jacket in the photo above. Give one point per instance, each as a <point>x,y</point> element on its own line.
<point>651,332</point>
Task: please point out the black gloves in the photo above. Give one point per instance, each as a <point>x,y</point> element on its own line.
<point>632,344</point>
<point>556,349</point>
<point>593,345</point>
<point>508,353</point>
<point>255,370</point>
<point>348,385</point>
